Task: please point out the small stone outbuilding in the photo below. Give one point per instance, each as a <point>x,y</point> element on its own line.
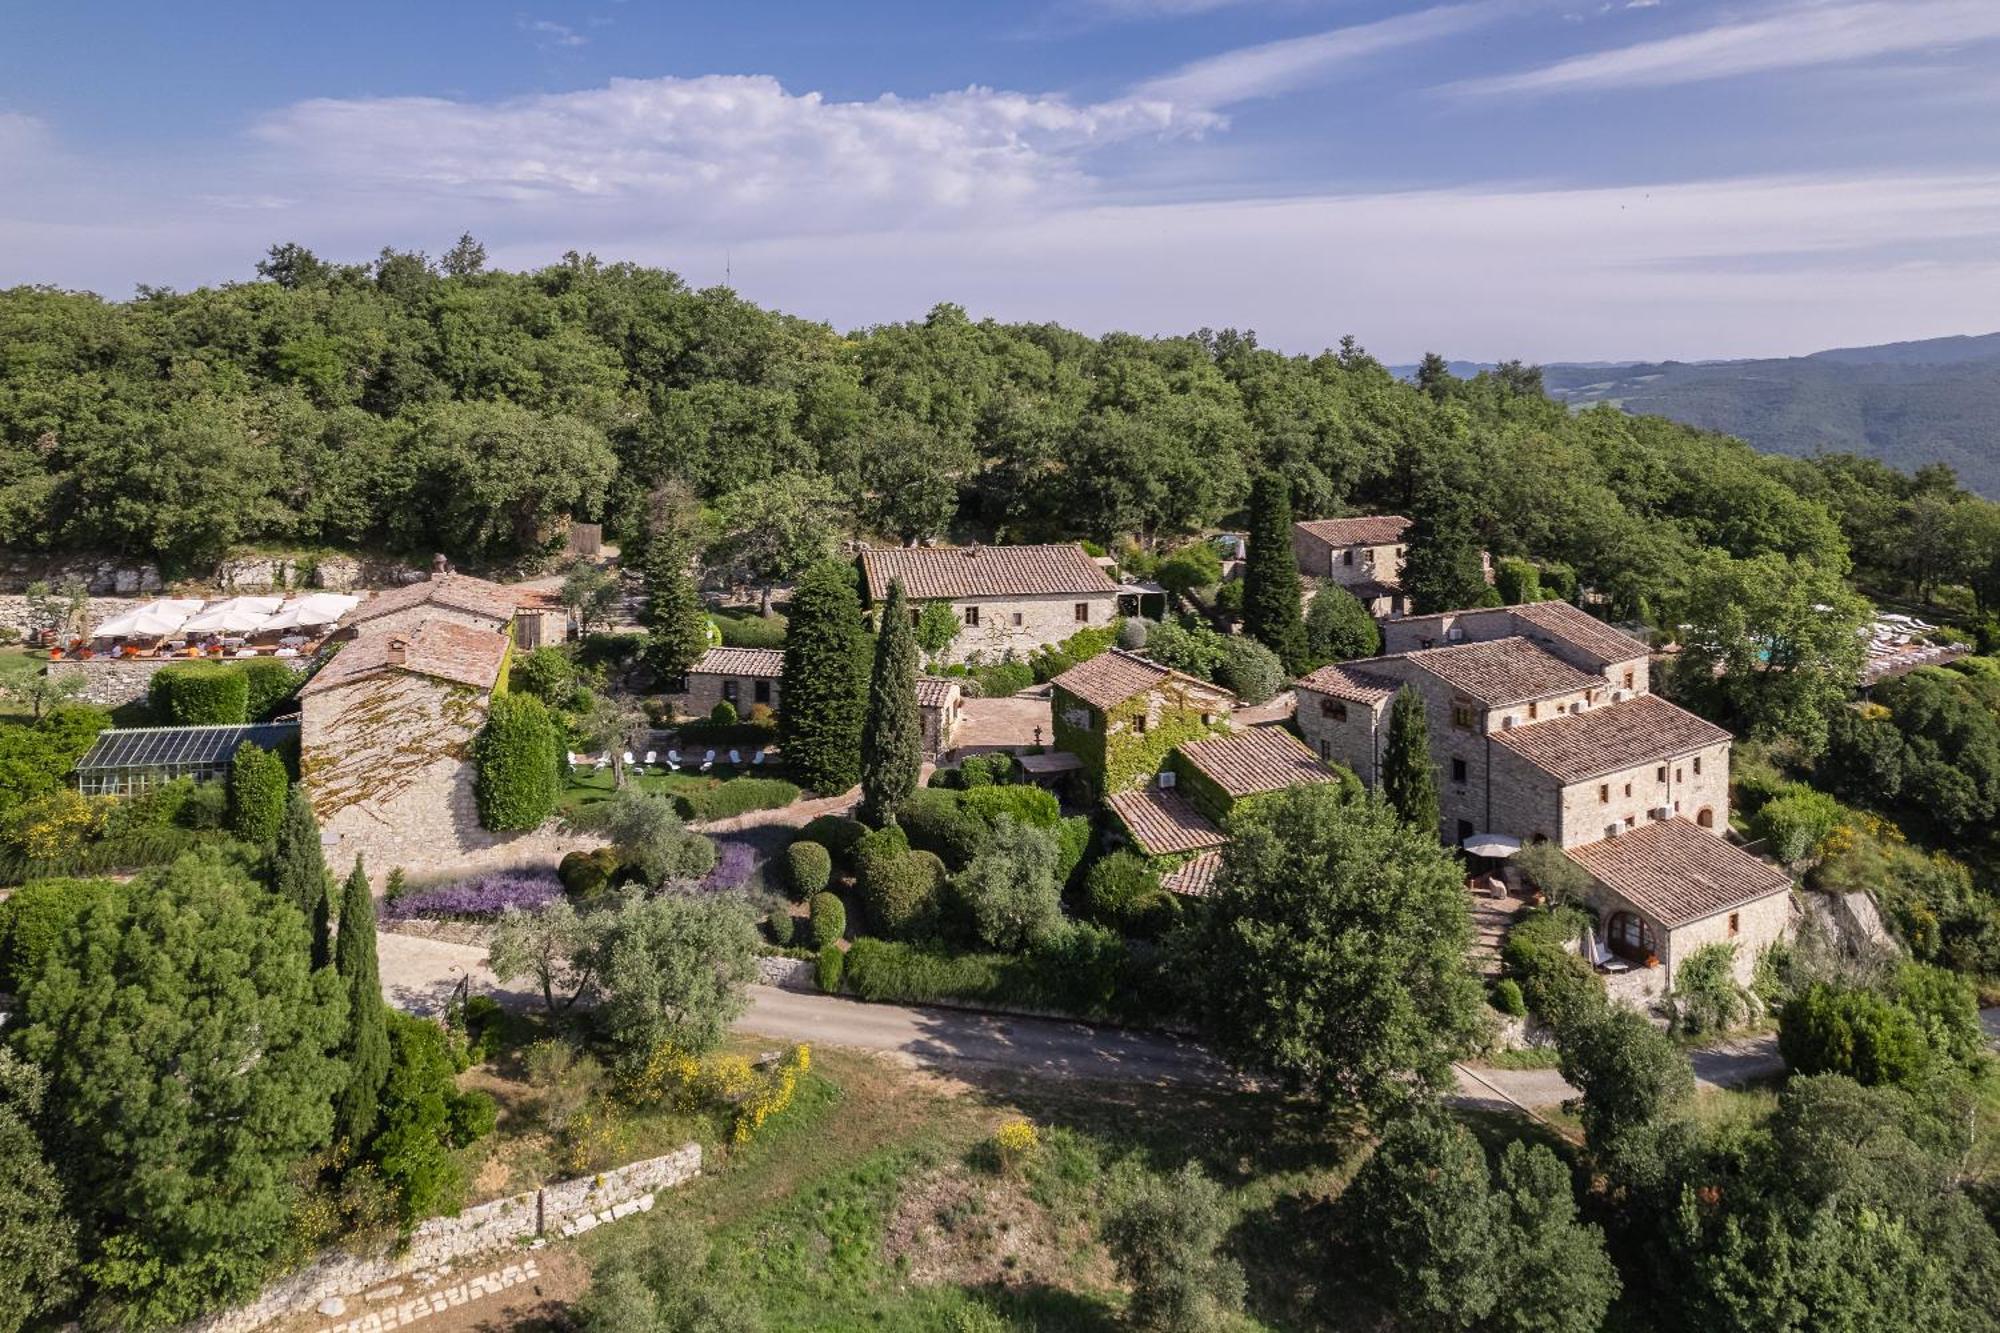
<point>740,677</point>
<point>1008,600</point>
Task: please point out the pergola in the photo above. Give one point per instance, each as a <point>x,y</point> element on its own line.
<point>125,762</point>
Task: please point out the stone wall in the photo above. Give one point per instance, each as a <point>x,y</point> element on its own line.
<point>1019,625</point>
<point>1759,925</point>
<point>114,681</point>
<point>564,1208</point>
<point>1343,731</point>
<point>14,613</point>
<point>1693,784</point>
<point>244,573</point>
<point>794,974</point>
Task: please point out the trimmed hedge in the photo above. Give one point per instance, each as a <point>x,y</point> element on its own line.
<point>518,780</point>
<point>257,789</point>
<point>781,926</point>
<point>736,796</point>
<point>839,834</point>
<point>936,821</point>
<point>1028,805</point>
<point>199,694</point>
<point>1124,893</point>
<point>268,684</point>
<point>33,919</point>
<point>1556,982</point>
<point>902,893</point>
<point>585,875</point>
<point>1085,971</point>
<point>828,919</point>
<point>828,966</point>
<point>808,868</point>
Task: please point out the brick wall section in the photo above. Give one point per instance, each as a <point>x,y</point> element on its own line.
<point>1045,619</point>
<point>441,1240</point>
<point>114,681</point>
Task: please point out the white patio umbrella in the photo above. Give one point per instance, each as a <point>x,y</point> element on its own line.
<point>312,610</point>
<point>152,621</point>
<point>238,615</point>
<point>1496,845</point>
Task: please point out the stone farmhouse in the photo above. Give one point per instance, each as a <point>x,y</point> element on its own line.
<point>1008,599</point>
<point>1121,715</point>
<point>455,597</point>
<point>1543,729</point>
<point>1362,555</point>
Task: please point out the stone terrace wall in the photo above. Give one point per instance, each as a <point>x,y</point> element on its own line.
<point>565,1208</point>
<point>112,681</point>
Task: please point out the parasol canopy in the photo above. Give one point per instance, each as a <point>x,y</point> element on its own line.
<point>314,609</point>
<point>152,621</point>
<point>238,615</point>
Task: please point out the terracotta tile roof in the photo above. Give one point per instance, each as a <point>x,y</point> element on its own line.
<point>441,649</point>
<point>1676,873</point>
<point>1371,530</point>
<point>1576,746</point>
<point>458,592</point>
<point>1255,761</point>
<point>1580,629</point>
<point>1352,681</point>
<point>765,662</point>
<point>935,572</point>
<point>1194,877</point>
<point>936,691</point>
<point>1109,679</point>
<point>1504,671</point>
<point>1163,822</point>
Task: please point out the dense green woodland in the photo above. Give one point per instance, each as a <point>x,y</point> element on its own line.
<point>395,405</point>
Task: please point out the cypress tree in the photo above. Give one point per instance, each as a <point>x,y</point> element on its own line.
<point>824,688</point>
<point>677,631</point>
<point>1443,570</point>
<point>892,736</point>
<point>367,1047</point>
<point>1409,783</point>
<point>1271,598</point>
<point>299,875</point>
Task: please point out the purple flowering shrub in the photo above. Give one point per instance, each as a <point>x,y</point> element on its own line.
<point>480,898</point>
<point>735,863</point>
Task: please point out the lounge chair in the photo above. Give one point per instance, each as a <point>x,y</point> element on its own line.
<point>736,758</point>
<point>674,760</point>
<point>603,762</point>
<point>652,758</point>
<point>630,762</point>
<point>757,759</point>
<point>708,761</point>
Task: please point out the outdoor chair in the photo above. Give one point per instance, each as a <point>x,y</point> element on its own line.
<point>630,762</point>
<point>757,759</point>
<point>652,758</point>
<point>736,758</point>
<point>603,762</point>
<point>708,761</point>
<point>674,760</point>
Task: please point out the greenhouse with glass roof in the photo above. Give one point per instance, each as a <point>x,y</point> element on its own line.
<point>127,761</point>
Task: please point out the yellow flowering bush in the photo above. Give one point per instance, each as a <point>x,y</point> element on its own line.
<point>773,1095</point>
<point>1014,1142</point>
<point>687,1082</point>
<point>55,824</point>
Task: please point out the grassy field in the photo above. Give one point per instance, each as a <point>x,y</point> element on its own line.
<point>16,666</point>
<point>877,1201</point>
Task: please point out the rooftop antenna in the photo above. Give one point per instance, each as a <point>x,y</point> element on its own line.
<point>726,279</point>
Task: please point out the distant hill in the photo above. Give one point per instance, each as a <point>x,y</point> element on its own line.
<point>1911,403</point>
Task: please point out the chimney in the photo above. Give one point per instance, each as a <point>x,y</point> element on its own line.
<point>972,551</point>
<point>399,648</point>
<point>439,565</point>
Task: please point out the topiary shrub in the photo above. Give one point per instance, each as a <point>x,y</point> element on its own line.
<point>901,893</point>
<point>936,822</point>
<point>808,868</point>
<point>586,875</point>
<point>837,833</point>
<point>1507,998</point>
<point>199,695</point>
<point>517,780</point>
<point>257,789</point>
<point>1249,670</point>
<point>828,920</point>
<point>268,684</point>
<point>881,844</point>
<point>780,926</point>
<point>723,714</point>
<point>1072,843</point>
<point>827,968</point>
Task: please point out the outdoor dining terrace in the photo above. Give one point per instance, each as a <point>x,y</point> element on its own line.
<point>186,627</point>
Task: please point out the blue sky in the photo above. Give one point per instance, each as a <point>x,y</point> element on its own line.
<point>1555,179</point>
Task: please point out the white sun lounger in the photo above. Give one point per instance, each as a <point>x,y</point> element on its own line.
<point>708,761</point>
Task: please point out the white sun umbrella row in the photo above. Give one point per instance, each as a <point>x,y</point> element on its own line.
<point>237,615</point>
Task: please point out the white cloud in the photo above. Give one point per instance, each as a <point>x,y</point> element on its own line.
<point>555,34</point>
<point>1294,62</point>
<point>1799,37</point>
<point>739,149</point>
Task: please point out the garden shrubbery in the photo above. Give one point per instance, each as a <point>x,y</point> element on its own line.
<point>518,779</point>
<point>936,821</point>
<point>258,784</point>
<point>199,694</point>
<point>808,868</point>
<point>1123,892</point>
<point>1082,970</point>
<point>267,685</point>
<point>828,919</point>
<point>586,875</point>
<point>34,916</point>
<point>737,796</point>
<point>839,834</point>
<point>828,966</point>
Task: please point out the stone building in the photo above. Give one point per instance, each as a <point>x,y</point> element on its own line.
<point>1008,599</point>
<point>741,677</point>
<point>1543,728</point>
<point>1121,715</point>
<point>1668,888</point>
<point>459,598</point>
<point>938,701</point>
<point>386,732</point>
<point>1363,555</point>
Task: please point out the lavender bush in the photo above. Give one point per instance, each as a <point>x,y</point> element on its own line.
<point>735,863</point>
<point>480,898</point>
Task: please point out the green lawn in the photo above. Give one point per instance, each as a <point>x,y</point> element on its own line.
<point>717,794</point>
<point>16,666</point>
